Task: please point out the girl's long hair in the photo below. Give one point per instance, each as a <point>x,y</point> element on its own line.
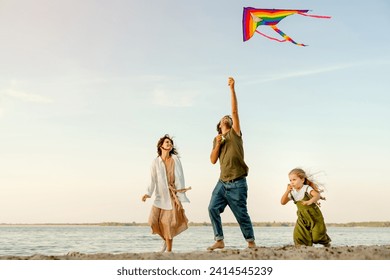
<point>308,180</point>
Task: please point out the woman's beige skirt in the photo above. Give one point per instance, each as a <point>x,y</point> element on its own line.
<point>168,223</point>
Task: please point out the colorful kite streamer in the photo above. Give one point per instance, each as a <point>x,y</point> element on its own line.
<point>253,18</point>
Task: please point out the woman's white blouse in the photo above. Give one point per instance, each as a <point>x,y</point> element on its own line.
<point>159,183</point>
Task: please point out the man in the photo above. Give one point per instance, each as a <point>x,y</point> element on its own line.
<point>231,189</point>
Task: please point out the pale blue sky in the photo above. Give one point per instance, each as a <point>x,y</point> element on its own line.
<point>88,87</point>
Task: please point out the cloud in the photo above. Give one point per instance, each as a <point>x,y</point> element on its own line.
<point>27,97</point>
<point>310,72</point>
<point>295,74</point>
<point>173,99</point>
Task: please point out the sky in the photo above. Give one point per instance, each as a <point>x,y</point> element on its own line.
<point>88,87</point>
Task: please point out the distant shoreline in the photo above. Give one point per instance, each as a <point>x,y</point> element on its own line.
<point>256,224</point>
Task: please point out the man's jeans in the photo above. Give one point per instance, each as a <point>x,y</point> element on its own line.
<point>235,195</point>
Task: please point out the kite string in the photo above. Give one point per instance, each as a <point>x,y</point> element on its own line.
<point>315,16</point>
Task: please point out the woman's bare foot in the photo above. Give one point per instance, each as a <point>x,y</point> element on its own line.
<point>164,247</point>
<point>169,244</point>
<point>217,245</point>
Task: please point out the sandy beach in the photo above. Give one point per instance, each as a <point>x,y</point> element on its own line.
<point>259,253</point>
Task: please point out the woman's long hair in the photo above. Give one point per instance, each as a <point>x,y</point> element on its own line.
<point>161,142</point>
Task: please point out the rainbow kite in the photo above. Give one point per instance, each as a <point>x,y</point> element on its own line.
<point>252,18</point>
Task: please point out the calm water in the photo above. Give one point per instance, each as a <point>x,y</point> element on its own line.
<point>59,240</point>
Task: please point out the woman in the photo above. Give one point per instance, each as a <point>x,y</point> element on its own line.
<point>167,217</point>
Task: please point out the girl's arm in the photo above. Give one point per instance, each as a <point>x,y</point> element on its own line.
<point>315,197</point>
<point>285,197</point>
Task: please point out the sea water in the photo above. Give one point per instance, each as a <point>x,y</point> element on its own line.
<point>60,240</point>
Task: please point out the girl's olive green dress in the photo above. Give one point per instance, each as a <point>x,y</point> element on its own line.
<point>310,226</point>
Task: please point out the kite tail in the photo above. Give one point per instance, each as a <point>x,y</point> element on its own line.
<point>315,16</point>
<point>269,37</point>
<point>287,38</point>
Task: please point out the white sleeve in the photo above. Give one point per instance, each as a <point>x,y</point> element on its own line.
<point>180,184</point>
<point>309,189</point>
<point>153,179</point>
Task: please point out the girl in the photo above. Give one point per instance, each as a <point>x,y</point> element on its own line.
<point>167,217</point>
<point>310,227</point>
